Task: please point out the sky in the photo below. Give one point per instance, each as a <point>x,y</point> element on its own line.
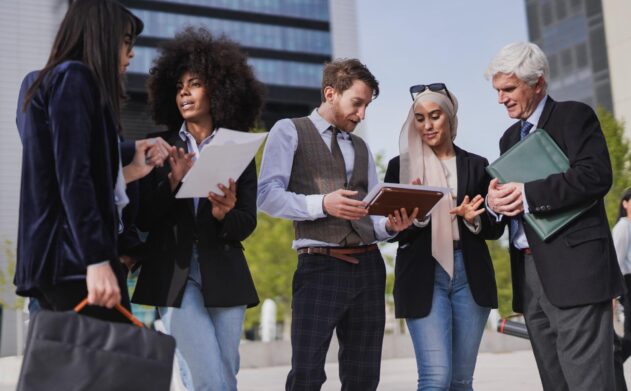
<point>409,42</point>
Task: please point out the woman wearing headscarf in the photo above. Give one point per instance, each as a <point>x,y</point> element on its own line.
<point>444,279</point>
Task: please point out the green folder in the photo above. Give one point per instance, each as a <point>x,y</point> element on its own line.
<point>536,157</point>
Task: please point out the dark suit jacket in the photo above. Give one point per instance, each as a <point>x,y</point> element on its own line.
<point>174,229</point>
<point>415,266</point>
<point>578,265</point>
<point>69,165</point>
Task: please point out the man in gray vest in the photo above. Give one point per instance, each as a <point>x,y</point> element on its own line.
<point>316,172</point>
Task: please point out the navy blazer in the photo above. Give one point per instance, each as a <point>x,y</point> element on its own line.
<point>68,219</point>
<point>415,265</point>
<point>174,228</point>
<point>578,265</point>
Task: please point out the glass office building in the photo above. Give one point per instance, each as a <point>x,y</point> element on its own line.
<point>572,34</point>
<point>287,42</point>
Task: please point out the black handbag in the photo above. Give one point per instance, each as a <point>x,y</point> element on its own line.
<point>68,351</point>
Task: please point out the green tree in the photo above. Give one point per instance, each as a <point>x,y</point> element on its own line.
<point>620,155</point>
<point>501,264</point>
<point>7,297</point>
<point>272,263</point>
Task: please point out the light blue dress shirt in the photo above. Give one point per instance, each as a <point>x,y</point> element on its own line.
<point>194,147</point>
<point>278,156</point>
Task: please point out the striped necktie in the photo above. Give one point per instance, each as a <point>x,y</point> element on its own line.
<point>525,129</point>
<point>523,132</point>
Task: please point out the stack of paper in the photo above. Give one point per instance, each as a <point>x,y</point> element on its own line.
<point>225,157</point>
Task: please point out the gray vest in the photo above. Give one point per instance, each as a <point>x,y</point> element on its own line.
<point>313,172</point>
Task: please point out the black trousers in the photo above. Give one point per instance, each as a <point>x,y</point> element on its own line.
<point>332,294</point>
<point>626,305</point>
<point>65,296</point>
<point>622,344</point>
<point>573,346</point>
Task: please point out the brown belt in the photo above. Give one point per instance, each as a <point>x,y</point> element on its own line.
<point>341,253</point>
<point>526,251</point>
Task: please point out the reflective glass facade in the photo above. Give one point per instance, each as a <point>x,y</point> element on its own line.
<point>258,35</point>
<point>308,9</point>
<point>276,72</point>
<point>571,33</point>
<point>287,42</point>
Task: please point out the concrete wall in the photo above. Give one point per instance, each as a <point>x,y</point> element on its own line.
<point>344,40</point>
<point>616,15</point>
<point>27,30</point>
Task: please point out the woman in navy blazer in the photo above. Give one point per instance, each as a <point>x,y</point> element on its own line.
<point>444,279</point>
<point>196,272</point>
<point>68,119</point>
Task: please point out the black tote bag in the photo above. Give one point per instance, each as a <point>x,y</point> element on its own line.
<point>67,351</point>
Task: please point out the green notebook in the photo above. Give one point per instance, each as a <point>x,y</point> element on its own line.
<point>536,157</point>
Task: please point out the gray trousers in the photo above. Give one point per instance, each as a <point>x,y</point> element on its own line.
<point>573,347</point>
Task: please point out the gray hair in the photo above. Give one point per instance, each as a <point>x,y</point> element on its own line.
<point>525,60</point>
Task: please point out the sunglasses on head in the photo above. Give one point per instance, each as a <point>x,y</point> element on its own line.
<point>436,87</point>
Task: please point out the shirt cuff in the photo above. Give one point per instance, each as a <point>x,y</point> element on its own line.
<point>526,209</point>
<point>497,217</point>
<point>476,227</point>
<point>421,223</point>
<point>315,206</point>
<point>98,263</point>
<point>381,232</point>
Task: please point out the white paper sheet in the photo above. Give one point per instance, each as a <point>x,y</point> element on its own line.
<point>225,157</point>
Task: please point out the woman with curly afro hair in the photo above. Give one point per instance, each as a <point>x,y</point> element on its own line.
<point>196,272</point>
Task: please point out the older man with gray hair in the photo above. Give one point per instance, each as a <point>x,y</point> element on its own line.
<point>563,285</point>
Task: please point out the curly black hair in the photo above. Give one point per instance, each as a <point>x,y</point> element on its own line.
<point>236,96</point>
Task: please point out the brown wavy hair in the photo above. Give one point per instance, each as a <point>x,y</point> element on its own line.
<point>236,96</point>
<point>341,73</point>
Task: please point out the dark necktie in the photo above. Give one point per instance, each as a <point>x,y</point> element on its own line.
<point>525,129</point>
<point>352,239</point>
<point>523,132</point>
<point>336,152</point>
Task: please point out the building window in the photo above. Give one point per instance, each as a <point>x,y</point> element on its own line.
<point>566,60</point>
<point>532,10</point>
<point>546,14</point>
<point>256,35</point>
<point>580,53</point>
<point>307,9</point>
<point>277,72</point>
<point>598,50</point>
<point>576,6</point>
<point>561,9</point>
<point>553,62</point>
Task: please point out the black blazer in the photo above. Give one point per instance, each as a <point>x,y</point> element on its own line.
<point>174,229</point>
<point>578,265</point>
<point>415,266</point>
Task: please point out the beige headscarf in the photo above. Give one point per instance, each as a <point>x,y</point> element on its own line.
<point>417,160</point>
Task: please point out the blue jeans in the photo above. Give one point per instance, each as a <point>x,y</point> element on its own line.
<point>207,338</point>
<point>446,341</point>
